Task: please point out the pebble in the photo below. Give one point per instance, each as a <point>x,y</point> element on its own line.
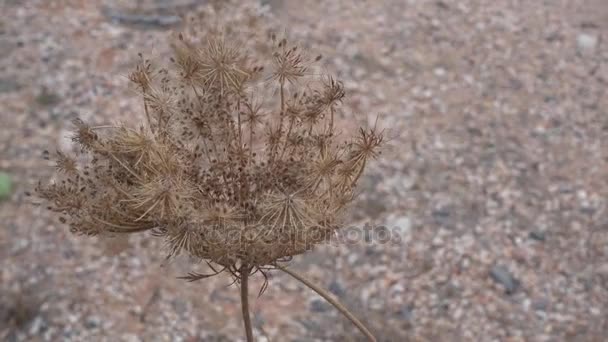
<point>160,21</point>
<point>38,326</point>
<point>179,305</point>
<point>8,85</point>
<point>336,288</point>
<point>540,304</point>
<point>501,275</point>
<point>402,225</point>
<point>537,235</point>
<point>406,312</point>
<point>586,42</point>
<point>437,241</point>
<point>439,72</point>
<point>441,215</point>
<point>375,303</point>
<point>595,311</point>
<point>318,305</point>
<point>92,322</point>
<point>19,245</point>
<point>129,337</point>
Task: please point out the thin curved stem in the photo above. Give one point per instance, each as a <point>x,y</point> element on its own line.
<point>245,302</point>
<point>329,298</point>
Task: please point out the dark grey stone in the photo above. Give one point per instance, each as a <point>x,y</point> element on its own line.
<point>406,312</point>
<point>180,306</point>
<point>8,85</point>
<point>152,20</point>
<point>443,217</point>
<point>537,235</point>
<point>318,305</point>
<point>501,275</point>
<point>336,288</point>
<point>540,304</point>
<point>92,322</point>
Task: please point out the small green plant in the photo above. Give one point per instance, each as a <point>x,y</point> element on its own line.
<point>239,162</point>
<point>47,98</point>
<point>6,185</point>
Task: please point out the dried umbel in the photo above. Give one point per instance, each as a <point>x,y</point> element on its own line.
<point>239,162</point>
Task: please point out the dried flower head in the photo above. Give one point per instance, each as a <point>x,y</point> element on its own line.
<point>221,170</point>
<point>220,175</point>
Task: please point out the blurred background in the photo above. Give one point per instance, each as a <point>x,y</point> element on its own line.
<point>494,190</point>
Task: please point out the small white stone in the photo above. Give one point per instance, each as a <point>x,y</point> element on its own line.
<point>73,318</point>
<point>437,241</point>
<point>526,304</point>
<point>36,325</point>
<point>376,304</point>
<point>402,225</point>
<point>586,42</point>
<point>290,286</point>
<point>458,313</point>
<point>439,72</point>
<point>407,182</point>
<point>130,337</point>
<point>398,287</point>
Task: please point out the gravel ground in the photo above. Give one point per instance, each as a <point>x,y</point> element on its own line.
<point>493,191</point>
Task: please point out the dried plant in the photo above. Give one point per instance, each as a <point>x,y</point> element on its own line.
<point>239,162</point>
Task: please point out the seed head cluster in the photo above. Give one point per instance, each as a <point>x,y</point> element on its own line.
<point>222,169</point>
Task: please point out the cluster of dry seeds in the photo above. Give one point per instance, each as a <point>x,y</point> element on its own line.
<point>238,164</point>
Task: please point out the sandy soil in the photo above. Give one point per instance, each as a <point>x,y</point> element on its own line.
<point>493,190</point>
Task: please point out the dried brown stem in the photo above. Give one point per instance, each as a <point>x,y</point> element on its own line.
<point>282,106</point>
<point>331,119</point>
<point>245,302</point>
<point>147,112</point>
<point>282,115</point>
<point>329,298</point>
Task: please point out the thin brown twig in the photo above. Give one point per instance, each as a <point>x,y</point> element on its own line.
<point>323,293</point>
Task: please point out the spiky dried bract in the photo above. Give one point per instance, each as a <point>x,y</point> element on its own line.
<point>221,170</point>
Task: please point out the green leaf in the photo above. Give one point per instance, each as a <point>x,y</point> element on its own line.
<point>5,185</point>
